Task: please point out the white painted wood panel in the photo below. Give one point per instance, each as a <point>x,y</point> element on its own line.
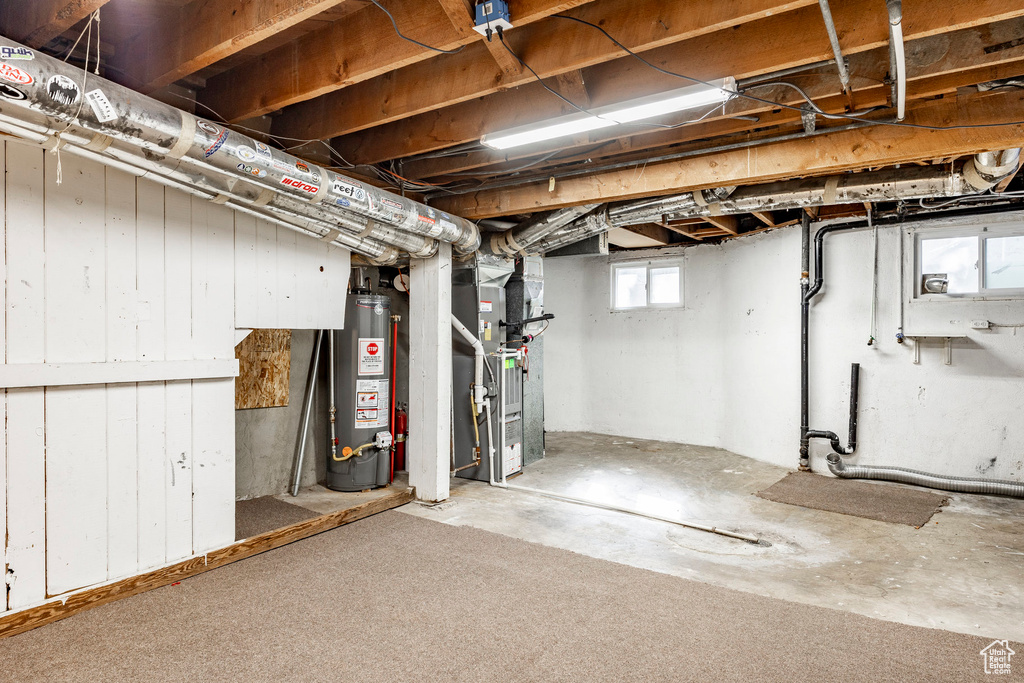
<point>29,375</point>
<point>287,280</point>
<point>245,270</point>
<point>178,317</point>
<point>76,420</point>
<point>3,394</point>
<point>430,373</point>
<point>122,348</point>
<point>286,316</point>
<point>26,478</point>
<point>121,300</point>
<point>306,278</point>
<point>151,435</point>
<point>213,471</point>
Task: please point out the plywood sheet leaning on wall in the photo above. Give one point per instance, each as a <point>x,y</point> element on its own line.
<point>264,366</point>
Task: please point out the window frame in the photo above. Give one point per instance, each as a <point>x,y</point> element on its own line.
<point>982,232</point>
<point>647,265</point>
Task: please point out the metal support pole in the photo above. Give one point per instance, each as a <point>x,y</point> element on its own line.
<point>805,282</point>
<point>307,408</point>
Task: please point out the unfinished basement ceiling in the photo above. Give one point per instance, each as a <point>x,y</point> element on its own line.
<point>335,82</point>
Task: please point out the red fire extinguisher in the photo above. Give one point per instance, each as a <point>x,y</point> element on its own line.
<point>401,434</point>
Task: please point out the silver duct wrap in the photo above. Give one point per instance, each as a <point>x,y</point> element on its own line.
<point>997,487</point>
<point>52,103</point>
<point>977,174</point>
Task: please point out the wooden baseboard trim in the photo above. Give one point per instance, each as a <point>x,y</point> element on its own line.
<point>34,617</point>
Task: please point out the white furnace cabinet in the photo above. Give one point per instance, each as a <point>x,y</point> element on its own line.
<point>121,299</point>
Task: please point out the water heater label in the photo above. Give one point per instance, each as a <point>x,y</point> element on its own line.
<point>371,403</point>
<point>371,356</point>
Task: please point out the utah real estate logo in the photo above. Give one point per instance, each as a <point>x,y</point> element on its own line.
<point>997,657</point>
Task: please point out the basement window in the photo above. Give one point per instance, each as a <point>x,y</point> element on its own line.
<point>971,263</point>
<point>651,284</point>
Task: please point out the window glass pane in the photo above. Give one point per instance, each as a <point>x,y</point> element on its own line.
<point>630,287</point>
<point>1004,262</point>
<point>665,285</point>
<point>957,257</point>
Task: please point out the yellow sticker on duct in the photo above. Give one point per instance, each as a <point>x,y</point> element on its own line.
<point>487,333</point>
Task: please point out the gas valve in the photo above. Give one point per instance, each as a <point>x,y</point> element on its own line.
<point>382,440</point>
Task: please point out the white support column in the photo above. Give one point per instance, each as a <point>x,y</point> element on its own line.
<point>430,374</point>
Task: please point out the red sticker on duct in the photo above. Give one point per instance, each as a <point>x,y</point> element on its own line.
<point>15,75</point>
<point>372,349</point>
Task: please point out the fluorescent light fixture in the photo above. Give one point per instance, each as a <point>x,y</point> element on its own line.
<point>613,115</point>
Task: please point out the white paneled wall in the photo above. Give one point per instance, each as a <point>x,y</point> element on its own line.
<point>115,277</point>
<point>286,280</point>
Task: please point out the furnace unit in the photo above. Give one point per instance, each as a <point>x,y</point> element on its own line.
<point>478,301</point>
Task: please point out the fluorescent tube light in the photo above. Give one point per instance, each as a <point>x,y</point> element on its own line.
<point>613,115</point>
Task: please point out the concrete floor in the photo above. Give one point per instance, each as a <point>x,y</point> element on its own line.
<point>961,572</point>
<point>324,501</point>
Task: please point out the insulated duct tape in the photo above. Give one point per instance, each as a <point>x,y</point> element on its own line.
<point>186,138</point>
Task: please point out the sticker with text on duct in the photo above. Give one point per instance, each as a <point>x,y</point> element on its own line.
<point>371,356</point>
<point>372,403</point>
<point>101,106</point>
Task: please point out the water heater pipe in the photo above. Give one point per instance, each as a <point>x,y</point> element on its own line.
<point>334,406</point>
<point>307,408</point>
<point>394,381</point>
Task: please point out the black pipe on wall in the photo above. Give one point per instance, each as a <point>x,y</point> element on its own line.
<point>807,293</point>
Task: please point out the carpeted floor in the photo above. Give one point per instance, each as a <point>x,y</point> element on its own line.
<point>398,598</point>
<point>259,515</point>
<point>872,500</point>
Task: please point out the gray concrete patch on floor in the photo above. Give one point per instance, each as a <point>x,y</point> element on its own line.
<point>959,572</point>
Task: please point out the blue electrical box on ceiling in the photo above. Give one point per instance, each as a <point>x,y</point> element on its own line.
<point>492,15</point>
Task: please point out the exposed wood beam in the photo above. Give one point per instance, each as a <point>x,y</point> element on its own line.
<point>461,14</point>
<point>362,46</point>
<point>37,22</point>
<point>878,145</point>
<point>650,231</point>
<point>765,217</point>
<point>734,51</point>
<point>550,48</point>
<point>205,32</point>
<point>945,75</point>
<point>729,224</point>
<point>572,85</point>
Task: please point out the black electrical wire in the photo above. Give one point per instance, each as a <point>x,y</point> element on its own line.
<point>762,100</point>
<point>644,124</point>
<point>413,40</point>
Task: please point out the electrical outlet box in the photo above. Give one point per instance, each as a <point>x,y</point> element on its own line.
<point>491,15</point>
<point>980,324</point>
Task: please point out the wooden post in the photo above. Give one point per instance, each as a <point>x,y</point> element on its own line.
<point>430,374</point>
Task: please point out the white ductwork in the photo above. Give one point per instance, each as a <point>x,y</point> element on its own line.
<point>57,105</point>
<point>977,174</point>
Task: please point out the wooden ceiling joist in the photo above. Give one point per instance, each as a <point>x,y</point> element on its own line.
<point>758,47</point>
<point>726,131</point>
<point>37,22</point>
<point>550,48</point>
<point>362,47</point>
<point>205,32</point>
<point>651,232</point>
<point>728,224</point>
<point>965,60</point>
<point>826,153</point>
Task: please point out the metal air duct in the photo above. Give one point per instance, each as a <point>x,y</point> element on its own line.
<point>977,174</point>
<point>52,103</point>
<point>903,475</point>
